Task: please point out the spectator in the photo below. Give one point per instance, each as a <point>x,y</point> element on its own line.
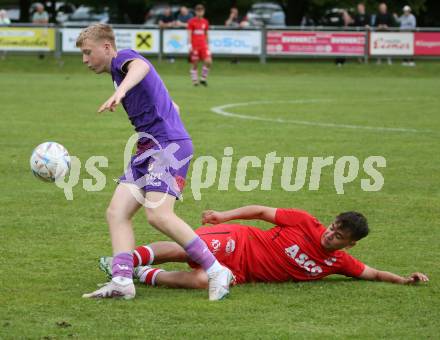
<point>383,21</point>
<point>166,20</point>
<point>183,17</point>
<point>4,19</point>
<point>346,21</point>
<point>307,21</point>
<point>361,18</point>
<point>235,20</point>
<point>407,22</point>
<point>40,17</point>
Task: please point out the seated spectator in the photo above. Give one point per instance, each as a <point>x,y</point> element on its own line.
<point>235,20</point>
<point>4,19</point>
<point>40,17</point>
<point>183,17</point>
<point>166,20</point>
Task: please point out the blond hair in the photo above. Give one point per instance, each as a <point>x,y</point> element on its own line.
<point>97,32</point>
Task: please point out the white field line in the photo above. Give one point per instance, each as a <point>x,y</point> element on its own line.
<point>223,110</point>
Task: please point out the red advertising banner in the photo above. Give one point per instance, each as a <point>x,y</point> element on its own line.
<point>427,43</point>
<point>316,43</point>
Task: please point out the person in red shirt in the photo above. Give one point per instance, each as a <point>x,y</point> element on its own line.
<point>297,248</point>
<point>198,46</point>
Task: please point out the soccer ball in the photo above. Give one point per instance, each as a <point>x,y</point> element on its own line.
<point>50,161</point>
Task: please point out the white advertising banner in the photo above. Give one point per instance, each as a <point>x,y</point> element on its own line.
<point>235,42</point>
<point>392,43</point>
<point>175,41</point>
<point>220,42</point>
<point>144,41</point>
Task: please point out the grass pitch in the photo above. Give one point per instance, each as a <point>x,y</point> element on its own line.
<point>50,246</point>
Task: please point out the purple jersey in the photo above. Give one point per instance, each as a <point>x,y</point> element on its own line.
<point>148,104</point>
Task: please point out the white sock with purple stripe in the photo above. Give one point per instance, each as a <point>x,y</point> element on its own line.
<point>122,268</point>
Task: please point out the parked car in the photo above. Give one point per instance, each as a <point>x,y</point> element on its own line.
<point>265,14</point>
<point>63,10</point>
<point>333,17</point>
<point>13,14</point>
<point>85,15</point>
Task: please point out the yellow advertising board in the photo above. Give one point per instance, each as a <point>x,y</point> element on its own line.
<point>27,39</point>
<point>144,41</point>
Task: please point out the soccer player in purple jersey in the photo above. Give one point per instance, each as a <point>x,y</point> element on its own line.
<point>156,174</point>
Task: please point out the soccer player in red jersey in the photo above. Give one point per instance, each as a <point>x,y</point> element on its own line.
<point>198,46</point>
<point>297,248</point>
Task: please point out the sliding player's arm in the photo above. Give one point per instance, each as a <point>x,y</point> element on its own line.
<point>137,69</point>
<point>250,212</point>
<point>378,275</point>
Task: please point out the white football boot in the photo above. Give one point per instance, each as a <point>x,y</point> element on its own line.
<point>113,289</point>
<point>218,284</point>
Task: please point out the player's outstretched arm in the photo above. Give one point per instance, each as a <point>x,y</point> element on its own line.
<point>250,212</point>
<point>137,70</point>
<point>378,275</point>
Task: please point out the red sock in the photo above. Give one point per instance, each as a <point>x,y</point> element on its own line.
<point>147,275</point>
<point>143,256</point>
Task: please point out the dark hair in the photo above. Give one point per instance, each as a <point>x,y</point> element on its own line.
<point>199,7</point>
<point>355,223</point>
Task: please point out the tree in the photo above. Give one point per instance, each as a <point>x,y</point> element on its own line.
<point>430,15</point>
<point>25,5</point>
<point>295,10</point>
<point>426,11</point>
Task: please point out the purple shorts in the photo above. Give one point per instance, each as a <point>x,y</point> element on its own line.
<point>160,167</point>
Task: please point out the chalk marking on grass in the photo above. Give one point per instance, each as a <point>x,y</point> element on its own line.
<point>223,111</point>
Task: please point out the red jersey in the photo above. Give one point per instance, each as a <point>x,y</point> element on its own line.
<point>292,250</point>
<point>198,28</point>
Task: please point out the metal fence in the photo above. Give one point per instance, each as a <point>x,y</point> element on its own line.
<point>263,43</point>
